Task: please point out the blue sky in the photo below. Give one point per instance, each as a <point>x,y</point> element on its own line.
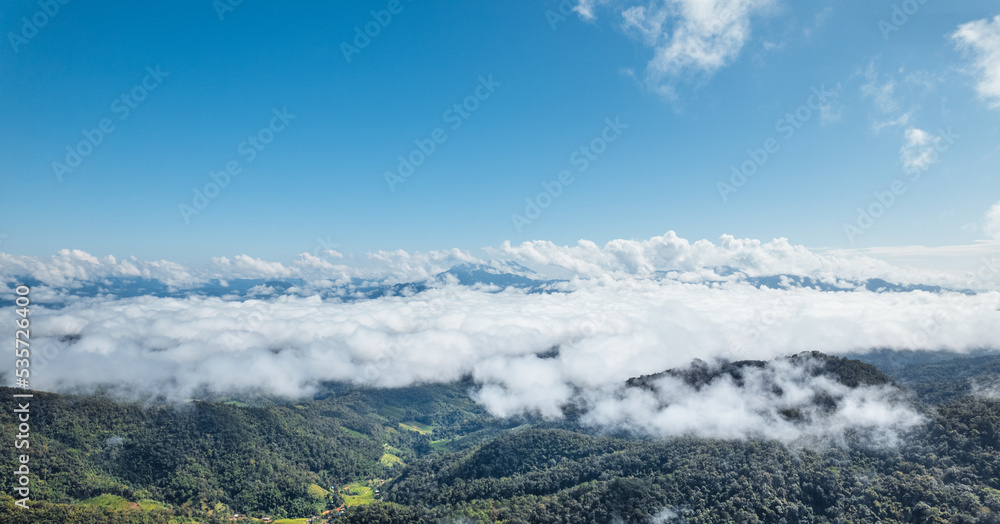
<point>557,75</point>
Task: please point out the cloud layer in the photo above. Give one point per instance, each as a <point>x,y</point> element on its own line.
<point>662,257</point>
<point>608,331</point>
<point>621,310</point>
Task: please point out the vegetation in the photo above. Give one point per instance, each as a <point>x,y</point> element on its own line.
<point>101,459</point>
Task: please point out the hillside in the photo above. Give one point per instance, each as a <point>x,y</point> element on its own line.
<point>432,454</point>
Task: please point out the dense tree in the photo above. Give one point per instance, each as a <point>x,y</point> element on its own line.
<point>100,459</point>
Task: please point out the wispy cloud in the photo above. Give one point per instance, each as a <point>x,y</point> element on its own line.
<point>981,39</point>
<point>919,151</point>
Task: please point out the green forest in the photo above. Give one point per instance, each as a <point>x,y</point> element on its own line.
<point>431,454</point>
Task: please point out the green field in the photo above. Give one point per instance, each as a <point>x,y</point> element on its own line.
<point>149,504</point>
<point>108,501</point>
<point>423,429</point>
<point>317,492</point>
<point>388,459</point>
<point>356,494</point>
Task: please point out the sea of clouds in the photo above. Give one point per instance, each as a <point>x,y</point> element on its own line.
<point>617,311</point>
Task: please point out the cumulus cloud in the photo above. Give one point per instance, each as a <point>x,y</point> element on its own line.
<point>246,266</point>
<point>75,268</point>
<point>687,36</point>
<point>981,38</point>
<point>70,267</point>
<point>671,256</point>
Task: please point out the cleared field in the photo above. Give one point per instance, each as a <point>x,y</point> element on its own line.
<point>423,429</point>
<point>388,459</point>
<point>149,504</point>
<point>108,501</point>
<point>357,494</point>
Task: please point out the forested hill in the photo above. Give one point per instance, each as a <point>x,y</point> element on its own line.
<point>852,373</point>
<point>435,455</point>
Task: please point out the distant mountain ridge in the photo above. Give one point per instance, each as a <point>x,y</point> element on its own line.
<point>501,275</point>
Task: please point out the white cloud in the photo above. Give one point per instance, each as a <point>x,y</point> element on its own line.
<point>419,266</point>
<point>982,39</point>
<point>70,267</point>
<point>585,8</point>
<point>663,257</point>
<point>248,267</point>
<point>753,407</point>
<point>883,93</point>
<point>687,36</point>
<point>608,330</point>
<point>919,151</point>
<point>879,124</point>
<point>675,257</point>
<point>708,35</point>
<point>648,24</point>
<point>896,96</point>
